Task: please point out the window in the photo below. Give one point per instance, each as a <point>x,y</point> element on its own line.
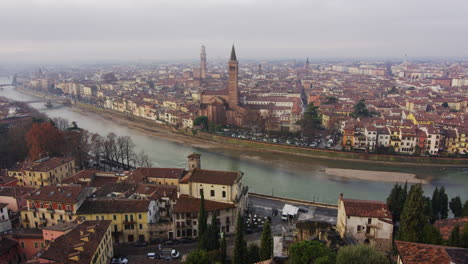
<point>359,228</point>
<point>60,207</point>
<point>36,244</point>
<point>212,193</point>
<point>141,226</point>
<point>139,216</point>
<point>97,217</point>
<point>22,244</point>
<point>224,194</point>
<point>369,221</point>
<point>115,217</point>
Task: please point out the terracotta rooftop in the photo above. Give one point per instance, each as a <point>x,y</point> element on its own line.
<point>64,246</point>
<point>186,204</point>
<point>43,165</point>
<point>170,173</point>
<point>365,208</point>
<point>109,206</point>
<point>211,177</point>
<point>446,226</point>
<point>416,253</point>
<point>67,194</point>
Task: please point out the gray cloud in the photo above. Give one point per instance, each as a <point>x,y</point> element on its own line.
<point>61,30</point>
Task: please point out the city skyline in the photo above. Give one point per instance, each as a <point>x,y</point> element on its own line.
<point>78,31</point>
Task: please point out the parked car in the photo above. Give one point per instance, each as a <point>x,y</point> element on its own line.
<point>140,243</point>
<point>303,210</point>
<point>186,240</point>
<point>171,242</point>
<point>153,255</point>
<point>119,260</point>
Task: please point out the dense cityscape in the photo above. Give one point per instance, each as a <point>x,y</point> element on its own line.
<point>326,133</point>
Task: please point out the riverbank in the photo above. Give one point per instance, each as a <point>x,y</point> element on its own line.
<point>207,140</point>
<point>378,176</point>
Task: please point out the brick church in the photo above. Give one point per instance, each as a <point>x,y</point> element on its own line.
<point>223,106</point>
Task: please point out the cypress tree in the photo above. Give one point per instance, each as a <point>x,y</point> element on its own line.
<point>454,239</point>
<point>465,209</point>
<point>456,206</point>
<point>435,205</point>
<point>428,209</point>
<point>412,217</point>
<point>443,203</point>
<point>253,252</point>
<point>394,201</point>
<point>202,225</point>
<point>223,253</point>
<point>464,236</point>
<point>240,246</point>
<point>212,235</point>
<point>431,235</point>
<point>266,242</point>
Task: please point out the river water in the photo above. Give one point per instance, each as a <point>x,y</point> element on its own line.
<point>277,174</point>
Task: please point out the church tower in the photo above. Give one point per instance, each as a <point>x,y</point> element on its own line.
<point>307,66</point>
<point>203,63</point>
<point>233,78</point>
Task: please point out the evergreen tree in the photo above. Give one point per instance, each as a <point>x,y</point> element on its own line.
<point>197,257</point>
<point>464,236</point>
<point>266,242</point>
<point>240,246</point>
<point>412,217</point>
<point>202,225</point>
<point>431,235</point>
<point>427,210</point>
<point>223,253</point>
<point>454,239</point>
<point>456,206</point>
<point>465,209</point>
<point>360,109</point>
<point>443,203</point>
<point>394,202</point>
<point>308,251</point>
<point>253,253</point>
<point>435,204</point>
<point>360,254</point>
<point>212,235</point>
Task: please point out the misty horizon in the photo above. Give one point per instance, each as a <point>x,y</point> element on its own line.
<point>52,31</point>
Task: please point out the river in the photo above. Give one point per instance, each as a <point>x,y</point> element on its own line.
<point>277,174</point>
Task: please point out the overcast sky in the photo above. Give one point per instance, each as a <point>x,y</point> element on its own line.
<point>94,30</point>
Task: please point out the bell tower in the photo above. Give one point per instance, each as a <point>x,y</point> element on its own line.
<point>203,62</point>
<point>194,161</point>
<point>233,88</point>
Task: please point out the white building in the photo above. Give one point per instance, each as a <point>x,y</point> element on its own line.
<point>5,223</point>
<point>365,222</point>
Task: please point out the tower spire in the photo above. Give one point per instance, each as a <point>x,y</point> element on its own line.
<point>233,54</point>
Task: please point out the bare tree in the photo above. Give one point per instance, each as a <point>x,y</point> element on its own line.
<point>142,160</point>
<point>61,123</point>
<point>97,148</point>
<point>126,149</point>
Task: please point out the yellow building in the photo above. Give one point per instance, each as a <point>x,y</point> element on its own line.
<point>88,243</point>
<point>43,172</point>
<point>130,219</point>
<point>51,205</point>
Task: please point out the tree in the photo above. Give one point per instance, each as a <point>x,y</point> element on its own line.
<point>240,246</point>
<point>431,235</point>
<point>360,109</point>
<point>443,203</point>
<point>311,120</point>
<point>412,216</point>
<point>223,250</point>
<point>456,206</point>
<point>454,238</point>
<point>61,124</point>
<point>427,209</point>
<point>361,254</point>
<point>212,235</point>
<point>310,252</point>
<point>266,242</point>
<point>142,160</point>
<point>435,204</point>
<point>464,236</point>
<point>197,257</point>
<point>201,121</point>
<point>396,200</point>
<point>202,223</point>
<point>465,209</point>
<point>43,139</point>
<point>253,253</point>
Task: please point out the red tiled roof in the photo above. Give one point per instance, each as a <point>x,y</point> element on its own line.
<point>364,208</point>
<point>67,194</point>
<point>446,226</point>
<point>186,204</point>
<point>211,177</point>
<point>45,165</point>
<point>416,253</point>
<point>109,206</point>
